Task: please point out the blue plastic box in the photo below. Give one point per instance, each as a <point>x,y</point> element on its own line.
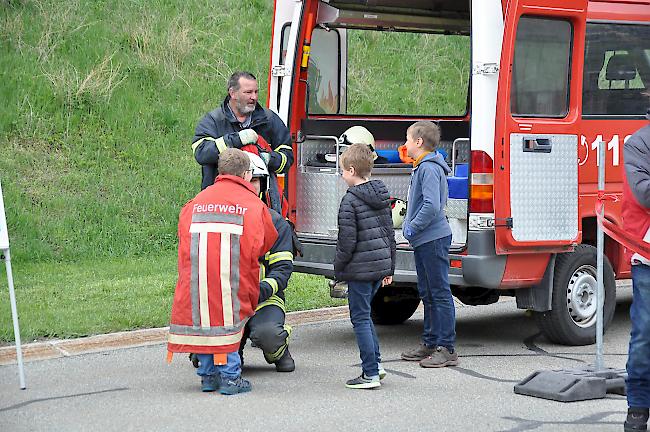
<point>391,155</point>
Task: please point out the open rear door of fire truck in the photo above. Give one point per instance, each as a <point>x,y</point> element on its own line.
<point>538,122</point>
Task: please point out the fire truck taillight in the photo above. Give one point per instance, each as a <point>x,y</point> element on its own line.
<point>481,192</point>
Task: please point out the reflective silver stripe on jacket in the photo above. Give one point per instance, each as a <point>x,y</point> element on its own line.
<point>229,227</point>
<point>212,331</point>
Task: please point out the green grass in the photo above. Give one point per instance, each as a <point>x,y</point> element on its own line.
<point>59,300</point>
<point>100,100</point>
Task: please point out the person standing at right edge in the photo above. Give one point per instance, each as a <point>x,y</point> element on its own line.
<point>427,230</point>
<point>636,221</point>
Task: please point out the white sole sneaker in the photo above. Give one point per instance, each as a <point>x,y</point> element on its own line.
<point>362,382</point>
<point>366,385</point>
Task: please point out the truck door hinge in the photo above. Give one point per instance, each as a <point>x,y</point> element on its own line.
<point>280,71</point>
<point>507,222</point>
<point>485,69</point>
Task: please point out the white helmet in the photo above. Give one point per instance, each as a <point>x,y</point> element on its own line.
<point>358,135</point>
<point>259,170</point>
<point>398,212</point>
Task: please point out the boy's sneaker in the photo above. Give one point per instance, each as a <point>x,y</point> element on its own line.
<point>210,383</point>
<point>637,420</point>
<point>382,371</point>
<point>416,354</point>
<point>363,382</point>
<point>232,386</point>
<point>440,358</point>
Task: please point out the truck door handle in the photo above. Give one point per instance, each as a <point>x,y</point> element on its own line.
<point>537,145</point>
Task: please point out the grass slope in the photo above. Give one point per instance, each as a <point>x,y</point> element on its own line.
<point>100,100</point>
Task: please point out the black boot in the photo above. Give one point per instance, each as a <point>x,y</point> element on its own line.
<point>637,419</point>
<point>285,363</point>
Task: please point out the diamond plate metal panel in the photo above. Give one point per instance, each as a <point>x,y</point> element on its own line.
<point>317,203</point>
<point>397,184</point>
<point>307,150</point>
<point>456,211</point>
<point>544,189</point>
<point>456,208</point>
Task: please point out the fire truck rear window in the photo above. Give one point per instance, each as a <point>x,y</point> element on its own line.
<point>540,71</point>
<point>617,70</point>
<point>388,73</point>
<point>407,73</point>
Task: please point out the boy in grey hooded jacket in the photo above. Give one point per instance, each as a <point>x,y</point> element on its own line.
<point>427,230</point>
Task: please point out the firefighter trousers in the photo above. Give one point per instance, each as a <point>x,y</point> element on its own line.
<point>267,331</point>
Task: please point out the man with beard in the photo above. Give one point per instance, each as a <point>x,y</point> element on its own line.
<point>241,122</point>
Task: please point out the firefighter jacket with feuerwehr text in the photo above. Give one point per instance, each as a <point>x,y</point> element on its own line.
<point>222,233</point>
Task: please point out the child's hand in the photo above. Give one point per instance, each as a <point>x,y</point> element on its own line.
<point>407,230</point>
<point>387,281</point>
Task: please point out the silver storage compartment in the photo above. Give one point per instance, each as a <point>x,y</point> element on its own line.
<point>320,189</point>
<point>319,192</point>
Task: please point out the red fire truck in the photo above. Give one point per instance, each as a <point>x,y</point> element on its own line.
<point>523,91</point>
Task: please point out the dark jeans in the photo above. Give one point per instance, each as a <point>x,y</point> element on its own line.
<point>360,294</point>
<point>432,265</point>
<point>638,363</point>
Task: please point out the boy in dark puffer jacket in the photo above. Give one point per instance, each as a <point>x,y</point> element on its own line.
<point>365,254</point>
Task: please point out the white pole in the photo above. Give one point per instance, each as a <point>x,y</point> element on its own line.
<point>14,314</point>
<point>600,294</point>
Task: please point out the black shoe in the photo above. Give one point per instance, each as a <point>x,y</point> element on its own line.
<point>637,420</point>
<point>195,360</point>
<point>233,386</point>
<point>285,363</point>
<point>210,383</point>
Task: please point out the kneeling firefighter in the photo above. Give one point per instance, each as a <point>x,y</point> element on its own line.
<point>267,329</point>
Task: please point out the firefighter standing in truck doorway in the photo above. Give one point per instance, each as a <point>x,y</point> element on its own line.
<point>267,329</point>
<point>240,122</point>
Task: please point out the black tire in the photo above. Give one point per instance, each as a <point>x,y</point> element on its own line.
<point>394,305</point>
<point>572,318</point>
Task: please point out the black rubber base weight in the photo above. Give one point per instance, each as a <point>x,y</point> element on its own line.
<point>570,385</point>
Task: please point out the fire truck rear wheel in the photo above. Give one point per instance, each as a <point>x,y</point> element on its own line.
<point>572,320</point>
<point>394,305</point>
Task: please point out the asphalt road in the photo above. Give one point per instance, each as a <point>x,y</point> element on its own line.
<point>135,390</point>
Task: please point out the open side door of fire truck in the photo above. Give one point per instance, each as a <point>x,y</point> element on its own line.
<point>286,27</point>
<point>538,126</point>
